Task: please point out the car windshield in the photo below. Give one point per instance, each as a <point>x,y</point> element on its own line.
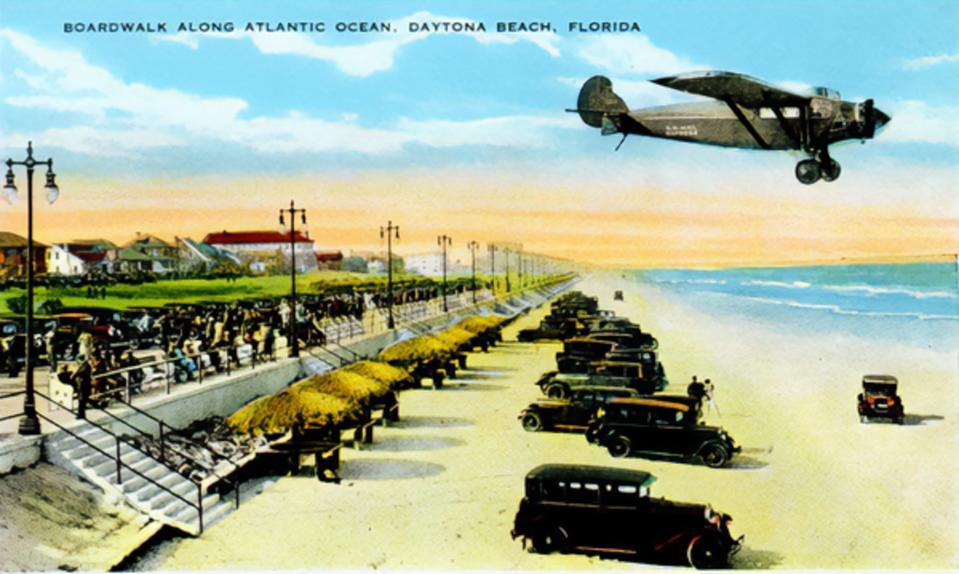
<point>879,389</point>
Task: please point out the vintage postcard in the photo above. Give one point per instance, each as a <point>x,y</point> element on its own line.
<point>436,285</point>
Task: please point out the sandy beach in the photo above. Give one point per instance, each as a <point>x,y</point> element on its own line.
<point>813,487</point>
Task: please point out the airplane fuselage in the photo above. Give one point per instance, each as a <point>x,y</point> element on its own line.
<point>717,123</point>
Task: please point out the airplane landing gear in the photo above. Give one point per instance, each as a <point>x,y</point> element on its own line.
<point>830,169</point>
<point>808,171</point>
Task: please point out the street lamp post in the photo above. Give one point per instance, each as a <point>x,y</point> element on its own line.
<point>519,265</point>
<point>492,265</point>
<point>473,247</point>
<point>293,211</point>
<point>30,423</point>
<point>444,241</point>
<point>506,254</point>
<point>389,231</point>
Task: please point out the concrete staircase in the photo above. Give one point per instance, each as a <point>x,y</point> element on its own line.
<point>144,481</point>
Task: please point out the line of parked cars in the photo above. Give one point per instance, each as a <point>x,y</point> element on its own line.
<point>608,385</point>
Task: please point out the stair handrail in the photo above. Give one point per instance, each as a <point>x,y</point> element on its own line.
<point>198,506</point>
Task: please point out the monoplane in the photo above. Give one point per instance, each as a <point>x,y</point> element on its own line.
<point>745,113</point>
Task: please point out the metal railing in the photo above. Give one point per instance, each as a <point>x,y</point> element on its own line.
<point>198,506</point>
<point>162,426</point>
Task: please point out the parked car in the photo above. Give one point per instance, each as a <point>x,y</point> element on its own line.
<point>573,413</point>
<point>612,374</point>
<point>651,426</point>
<point>879,399</point>
<point>601,510</point>
<point>552,327</point>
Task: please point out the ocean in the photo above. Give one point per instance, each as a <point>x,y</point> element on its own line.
<point>915,304</point>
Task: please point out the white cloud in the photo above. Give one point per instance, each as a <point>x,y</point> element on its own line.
<point>633,54</point>
<point>368,58</point>
<point>123,117</point>
<point>916,121</point>
<point>929,61</point>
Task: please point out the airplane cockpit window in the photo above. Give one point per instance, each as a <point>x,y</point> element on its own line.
<point>769,114</point>
<point>826,93</point>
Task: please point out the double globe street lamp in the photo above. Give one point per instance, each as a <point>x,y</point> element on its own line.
<point>29,423</point>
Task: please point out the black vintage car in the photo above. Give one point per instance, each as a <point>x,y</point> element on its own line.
<point>612,374</point>
<point>601,510</point>
<point>654,427</point>
<point>879,399</point>
<point>573,413</point>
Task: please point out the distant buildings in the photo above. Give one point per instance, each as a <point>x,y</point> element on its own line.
<point>260,249</point>
<point>375,262</point>
<point>431,264</point>
<point>330,260</point>
<point>199,256</point>
<point>13,255</point>
<point>146,253</point>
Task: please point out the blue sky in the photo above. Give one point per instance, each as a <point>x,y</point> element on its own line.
<point>174,106</point>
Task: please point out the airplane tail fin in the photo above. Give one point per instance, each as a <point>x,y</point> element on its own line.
<point>597,101</point>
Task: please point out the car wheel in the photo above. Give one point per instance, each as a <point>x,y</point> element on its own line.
<point>901,419</point>
<point>863,419</point>
<point>619,446</point>
<point>714,456</point>
<point>706,552</point>
<point>548,539</point>
<point>556,392</point>
<point>532,422</point>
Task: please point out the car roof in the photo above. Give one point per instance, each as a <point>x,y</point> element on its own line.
<point>585,472</point>
<point>887,379</point>
<point>650,403</point>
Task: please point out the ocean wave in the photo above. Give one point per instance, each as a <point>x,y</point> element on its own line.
<point>691,281</point>
<point>791,285</point>
<point>836,309</point>
<point>892,291</point>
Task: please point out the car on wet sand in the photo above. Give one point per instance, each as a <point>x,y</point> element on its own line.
<point>880,399</point>
<point>609,511</point>
<point>651,427</point>
<point>572,413</point>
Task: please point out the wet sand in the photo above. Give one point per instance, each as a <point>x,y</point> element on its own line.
<point>813,488</point>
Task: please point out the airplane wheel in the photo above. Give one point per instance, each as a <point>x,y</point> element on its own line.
<point>830,170</point>
<point>808,171</point>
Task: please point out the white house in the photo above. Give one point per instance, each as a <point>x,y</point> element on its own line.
<point>61,262</point>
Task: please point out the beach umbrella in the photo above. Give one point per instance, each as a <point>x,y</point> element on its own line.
<point>481,324</point>
<point>350,386</point>
<point>422,349</point>
<point>455,336</point>
<point>289,408</point>
<point>380,371</point>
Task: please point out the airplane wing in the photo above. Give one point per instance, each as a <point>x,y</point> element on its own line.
<point>731,87</point>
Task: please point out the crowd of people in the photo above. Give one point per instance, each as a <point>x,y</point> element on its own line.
<point>210,335</point>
